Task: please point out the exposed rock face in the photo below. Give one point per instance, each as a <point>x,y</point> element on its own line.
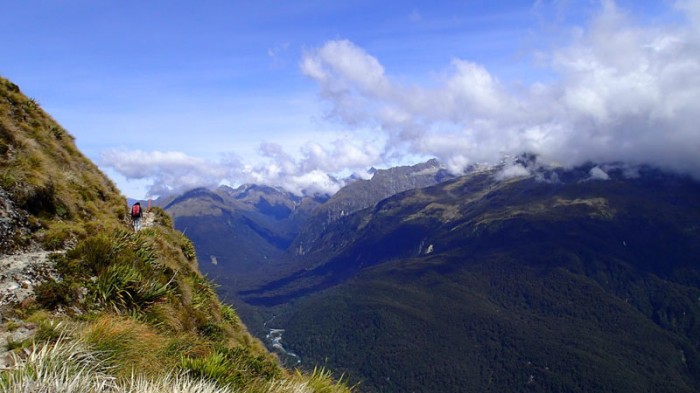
<point>21,273</point>
<point>14,226</point>
<point>383,184</point>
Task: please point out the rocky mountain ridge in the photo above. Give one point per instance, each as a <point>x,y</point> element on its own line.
<point>362,194</point>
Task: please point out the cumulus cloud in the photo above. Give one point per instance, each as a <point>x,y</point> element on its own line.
<point>618,91</point>
<point>623,92</point>
<point>169,171</point>
<point>309,173</point>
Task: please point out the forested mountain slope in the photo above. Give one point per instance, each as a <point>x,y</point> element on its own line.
<point>559,281</point>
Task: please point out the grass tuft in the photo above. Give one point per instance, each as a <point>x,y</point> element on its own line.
<point>127,345</point>
<point>62,366</point>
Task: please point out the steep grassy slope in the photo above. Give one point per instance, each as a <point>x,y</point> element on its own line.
<point>115,310</point>
<point>519,285</point>
<point>50,185</point>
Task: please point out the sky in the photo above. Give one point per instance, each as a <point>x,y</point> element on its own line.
<point>170,95</point>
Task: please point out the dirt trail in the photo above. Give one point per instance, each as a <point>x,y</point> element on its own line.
<point>19,275</point>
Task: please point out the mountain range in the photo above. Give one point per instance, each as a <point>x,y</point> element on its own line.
<point>578,279</point>
<point>248,234</point>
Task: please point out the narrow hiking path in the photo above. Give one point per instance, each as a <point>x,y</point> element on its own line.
<point>19,275</point>
<point>148,219</point>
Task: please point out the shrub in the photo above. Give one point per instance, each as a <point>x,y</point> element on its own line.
<point>51,293</point>
<point>187,247</point>
<point>59,235</point>
<point>48,331</point>
<point>212,330</point>
<point>40,200</point>
<point>229,315</point>
<point>321,381</point>
<point>94,253</point>
<point>162,217</point>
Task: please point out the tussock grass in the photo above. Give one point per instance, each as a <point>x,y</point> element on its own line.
<point>45,174</point>
<point>174,383</point>
<point>127,345</point>
<point>94,360</point>
<point>63,366</point>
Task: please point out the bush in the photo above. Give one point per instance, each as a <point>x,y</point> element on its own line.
<point>94,253</point>
<point>162,217</point>
<point>51,294</point>
<point>42,200</point>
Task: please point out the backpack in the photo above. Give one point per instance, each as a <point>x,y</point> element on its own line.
<point>135,211</point>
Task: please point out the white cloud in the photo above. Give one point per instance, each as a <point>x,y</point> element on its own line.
<point>168,171</point>
<point>624,92</point>
<point>618,92</point>
<point>350,66</point>
<point>598,174</point>
<point>309,172</point>
<point>512,171</point>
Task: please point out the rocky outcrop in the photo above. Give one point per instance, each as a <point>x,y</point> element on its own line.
<point>20,273</point>
<point>14,226</point>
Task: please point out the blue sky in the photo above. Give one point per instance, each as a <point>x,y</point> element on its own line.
<point>168,95</point>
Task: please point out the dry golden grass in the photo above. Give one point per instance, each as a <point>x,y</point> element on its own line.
<point>128,345</point>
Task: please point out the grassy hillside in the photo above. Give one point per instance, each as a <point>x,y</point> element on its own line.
<point>57,195</point>
<point>113,310</point>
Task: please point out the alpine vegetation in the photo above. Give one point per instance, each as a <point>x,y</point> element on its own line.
<point>69,366</point>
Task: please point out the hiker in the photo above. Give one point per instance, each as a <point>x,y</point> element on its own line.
<point>136,214</point>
